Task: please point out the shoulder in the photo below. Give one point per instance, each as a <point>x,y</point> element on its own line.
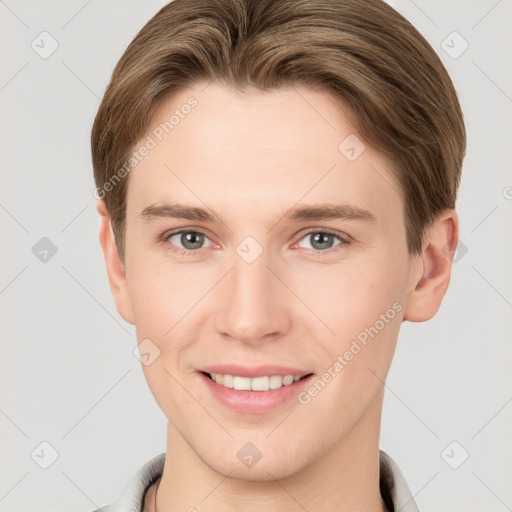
<point>393,487</point>
<point>131,497</point>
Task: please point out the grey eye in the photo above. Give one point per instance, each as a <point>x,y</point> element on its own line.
<point>188,239</point>
<point>320,240</point>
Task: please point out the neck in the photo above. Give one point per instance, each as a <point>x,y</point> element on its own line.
<point>345,478</point>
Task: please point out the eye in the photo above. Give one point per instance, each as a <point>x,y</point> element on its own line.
<point>185,241</point>
<point>189,242</point>
<point>322,240</point>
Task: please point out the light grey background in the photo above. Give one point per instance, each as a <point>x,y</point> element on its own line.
<point>68,374</point>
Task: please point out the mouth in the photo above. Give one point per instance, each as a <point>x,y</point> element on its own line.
<point>261,383</point>
<point>255,389</point>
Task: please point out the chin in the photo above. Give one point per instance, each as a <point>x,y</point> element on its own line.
<point>260,472</point>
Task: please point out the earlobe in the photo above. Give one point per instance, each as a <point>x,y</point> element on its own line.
<point>440,243</point>
<point>115,267</point>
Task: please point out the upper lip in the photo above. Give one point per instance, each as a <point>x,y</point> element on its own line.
<point>254,371</point>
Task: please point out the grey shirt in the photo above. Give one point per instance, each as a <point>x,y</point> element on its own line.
<point>393,487</point>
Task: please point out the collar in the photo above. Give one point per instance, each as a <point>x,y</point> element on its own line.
<point>131,497</point>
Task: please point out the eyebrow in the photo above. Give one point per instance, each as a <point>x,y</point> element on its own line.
<point>295,214</point>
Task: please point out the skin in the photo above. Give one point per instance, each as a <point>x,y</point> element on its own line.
<point>249,157</point>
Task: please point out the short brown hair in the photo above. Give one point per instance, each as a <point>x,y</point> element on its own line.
<point>380,69</point>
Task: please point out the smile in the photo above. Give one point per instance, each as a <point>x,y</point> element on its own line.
<point>263,383</point>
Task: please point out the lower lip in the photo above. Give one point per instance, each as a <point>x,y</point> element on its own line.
<point>256,402</point>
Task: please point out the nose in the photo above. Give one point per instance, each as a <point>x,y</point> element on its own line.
<point>254,304</point>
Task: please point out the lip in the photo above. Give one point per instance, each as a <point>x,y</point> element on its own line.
<point>254,402</point>
<point>254,371</point>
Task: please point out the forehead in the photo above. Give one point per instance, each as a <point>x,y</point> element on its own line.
<point>258,149</point>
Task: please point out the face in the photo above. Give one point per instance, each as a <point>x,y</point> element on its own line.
<point>273,278</point>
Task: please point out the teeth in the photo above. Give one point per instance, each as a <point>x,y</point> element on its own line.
<point>256,383</point>
<point>241,383</point>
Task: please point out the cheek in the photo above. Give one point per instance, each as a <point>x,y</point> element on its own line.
<point>163,308</point>
<point>358,361</point>
<point>352,295</point>
<point>364,309</point>
<point>163,294</point>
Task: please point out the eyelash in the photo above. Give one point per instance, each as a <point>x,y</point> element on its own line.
<point>344,239</point>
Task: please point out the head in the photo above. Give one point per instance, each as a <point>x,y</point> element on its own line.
<point>263,119</point>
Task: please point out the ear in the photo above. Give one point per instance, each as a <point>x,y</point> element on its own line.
<point>115,268</point>
<point>439,245</point>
